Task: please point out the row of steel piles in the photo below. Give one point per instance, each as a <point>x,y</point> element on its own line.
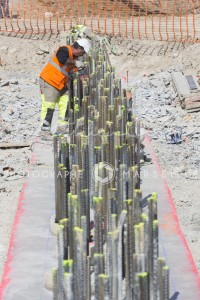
<point>118,258</point>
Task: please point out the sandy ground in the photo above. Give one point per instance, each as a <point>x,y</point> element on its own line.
<point>22,59</point>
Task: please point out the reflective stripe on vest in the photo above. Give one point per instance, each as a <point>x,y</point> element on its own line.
<point>62,70</point>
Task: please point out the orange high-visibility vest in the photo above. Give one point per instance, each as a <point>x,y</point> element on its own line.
<point>55,73</point>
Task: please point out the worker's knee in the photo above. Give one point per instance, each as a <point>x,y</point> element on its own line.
<point>48,92</point>
<point>47,104</point>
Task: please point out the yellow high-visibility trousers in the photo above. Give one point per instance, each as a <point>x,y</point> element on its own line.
<point>50,97</point>
<point>62,105</point>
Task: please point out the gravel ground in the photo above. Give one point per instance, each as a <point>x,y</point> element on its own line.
<point>149,65</point>
<point>180,163</point>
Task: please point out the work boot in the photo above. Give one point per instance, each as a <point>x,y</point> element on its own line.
<point>147,159</point>
<point>46,133</point>
<point>45,128</point>
<point>63,129</point>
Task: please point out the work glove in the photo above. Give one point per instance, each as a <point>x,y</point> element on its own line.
<point>80,65</point>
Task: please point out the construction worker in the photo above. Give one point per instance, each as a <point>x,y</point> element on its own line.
<point>53,83</point>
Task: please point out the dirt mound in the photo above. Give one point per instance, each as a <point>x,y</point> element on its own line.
<point>111,8</point>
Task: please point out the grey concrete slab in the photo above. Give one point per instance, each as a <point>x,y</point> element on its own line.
<point>184,278</point>
<point>34,251</point>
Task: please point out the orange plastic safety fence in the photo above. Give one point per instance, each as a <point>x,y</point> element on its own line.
<point>165,20</point>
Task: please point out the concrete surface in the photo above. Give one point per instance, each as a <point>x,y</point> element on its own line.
<point>34,249</point>
<point>184,278</point>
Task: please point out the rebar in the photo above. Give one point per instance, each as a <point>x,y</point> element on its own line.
<point>138,152</point>
<point>68,286</point>
<point>98,269</point>
<point>64,223</point>
<point>153,243</point>
<point>129,249</point>
<point>165,275</point>
<point>107,245</point>
<point>60,271</point>
<point>98,202</point>
<point>161,264</point>
<point>73,213</point>
<point>78,264</point>
<point>55,150</point>
<point>59,196</point>
<point>88,278</point>
<point>55,283</point>
<point>143,286</point>
<point>103,287</point>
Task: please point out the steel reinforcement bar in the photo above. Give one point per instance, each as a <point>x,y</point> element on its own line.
<point>107,244</point>
<point>174,20</point>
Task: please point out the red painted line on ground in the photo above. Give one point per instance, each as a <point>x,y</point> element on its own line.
<point>33,158</point>
<point>19,211</point>
<point>174,213</point>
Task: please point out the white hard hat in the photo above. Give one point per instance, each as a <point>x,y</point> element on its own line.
<point>85,44</point>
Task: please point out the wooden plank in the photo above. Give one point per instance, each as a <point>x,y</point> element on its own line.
<point>189,106</point>
<point>193,110</point>
<point>192,103</point>
<point>14,145</point>
<point>193,99</point>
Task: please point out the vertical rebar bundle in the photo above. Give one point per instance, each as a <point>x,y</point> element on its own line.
<point>107,245</point>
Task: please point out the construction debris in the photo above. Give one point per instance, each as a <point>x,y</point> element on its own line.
<point>188,91</point>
